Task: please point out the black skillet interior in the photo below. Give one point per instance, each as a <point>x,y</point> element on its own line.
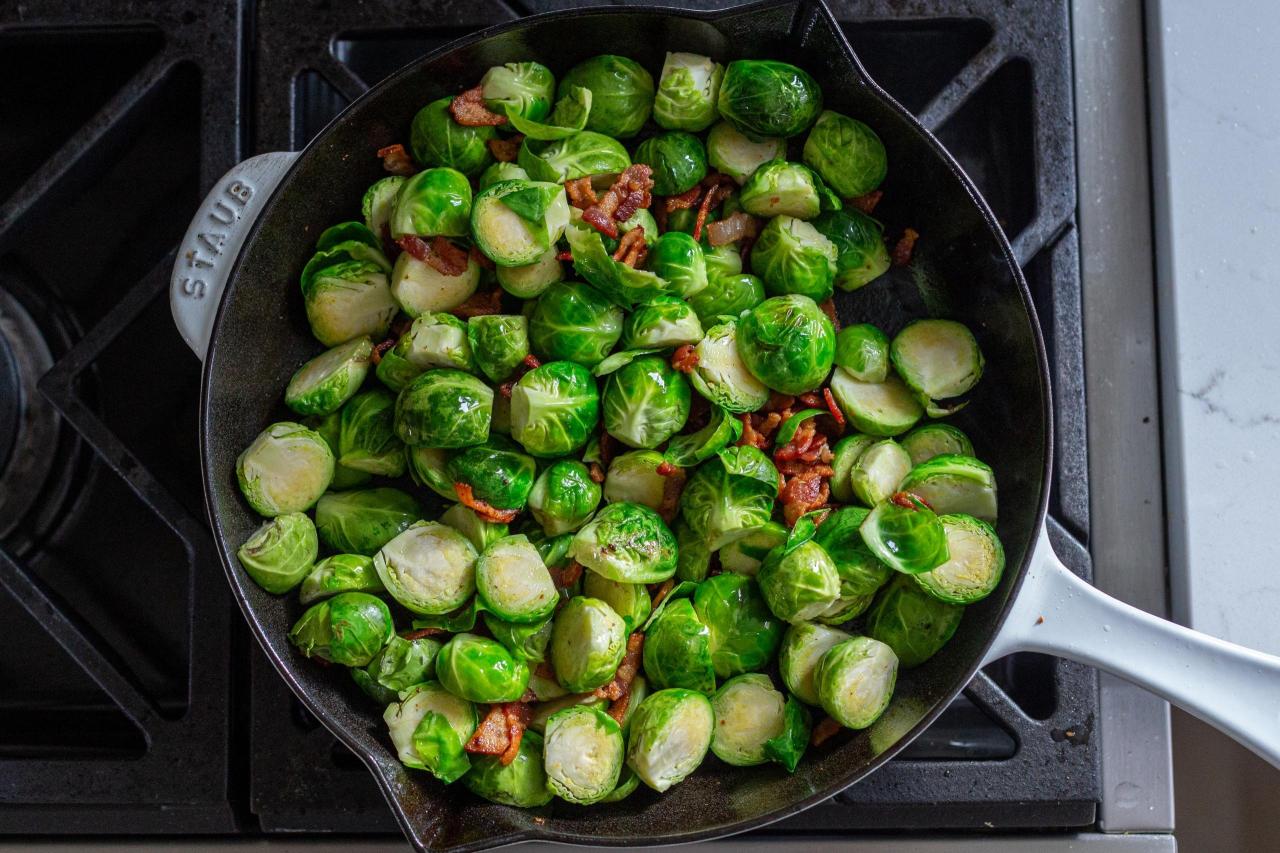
<point>962,269</point>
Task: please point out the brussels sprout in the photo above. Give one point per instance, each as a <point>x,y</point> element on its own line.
<point>678,259</point>
<point>430,568</point>
<point>846,153</point>
<point>513,583</point>
<point>645,403</point>
<point>554,409</point>
<point>800,583</point>
<point>427,467</point>
<point>930,440</point>
<point>378,203</point>
<point>481,670</point>
<point>938,359</point>
<point>727,295</point>
<point>350,299</point>
<point>843,456</point>
<point>281,552</point>
<point>434,340</point>
<point>588,641</point>
<point>629,600</point>
<point>437,140</point>
<point>693,557</point>
<point>670,734</point>
<point>729,496</point>
<point>530,280</point>
<point>522,783</point>
<point>515,222</point>
<point>429,729</point>
<point>362,521</point>
<point>721,374</point>
<point>327,381</point>
<point>367,440</point>
<point>845,608</point>
<point>859,240</point>
<point>906,536</point>
<point>497,473</point>
<point>634,477</point>
<point>568,117</point>
<point>349,629</point>
<point>721,430</point>
<point>419,288</point>
<point>737,155</point>
<point>522,88</point>
<point>876,474</point>
<point>286,469</point>
<point>913,623</point>
<point>500,342</point>
<point>863,350</point>
<point>667,321</point>
<point>621,94</point>
<point>621,284</point>
<point>955,484</point>
<point>627,542</point>
<point>787,343</point>
<point>444,408</point>
<point>861,572</point>
<point>527,642</point>
<point>573,322</point>
<point>744,634</point>
<point>875,408</point>
<point>578,156</point>
<point>778,188</point>
<point>687,91</point>
<point>973,569</point>
<point>499,172</point>
<point>582,754</point>
<point>749,712</point>
<point>745,555</point>
<point>677,649</point>
<point>434,202</point>
<point>339,573</point>
<point>855,681</point>
<point>792,257</point>
<point>678,161</point>
<point>803,646</point>
<point>564,497</point>
<point>342,245</point>
<point>764,97</point>
<point>722,260</point>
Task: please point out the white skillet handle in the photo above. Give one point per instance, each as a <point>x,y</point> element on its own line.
<point>1230,687</point>
<point>213,242</point>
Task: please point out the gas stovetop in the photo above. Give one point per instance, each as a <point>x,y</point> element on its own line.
<point>133,700</point>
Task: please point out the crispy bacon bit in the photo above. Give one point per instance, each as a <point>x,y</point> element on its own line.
<point>626,673</point>
<point>632,248</point>
<point>486,512</point>
<point>749,434</point>
<point>468,110</point>
<point>415,246</point>
<point>382,348</point>
<point>802,493</point>
<point>505,388</point>
<point>567,575</point>
<point>419,633</point>
<point>906,244</point>
<point>810,399</point>
<point>684,201</point>
<point>867,203</point>
<point>505,150</point>
<point>836,414</point>
<point>734,228</point>
<point>531,361</point>
<point>828,307</point>
<point>600,219</point>
<point>396,160</point>
<point>907,500</point>
<point>490,736</point>
<point>716,193</point>
<point>597,473</point>
<point>618,708</point>
<point>518,715</point>
<point>528,696</point>
<point>630,192</point>
<point>479,304</point>
<point>685,358</point>
<point>480,258</point>
<point>666,469</point>
<point>564,256</point>
<point>441,255</point>
<point>824,731</point>
<point>779,402</point>
<point>581,194</point>
<point>806,445</point>
<point>794,467</point>
<point>663,590</point>
<point>672,486</point>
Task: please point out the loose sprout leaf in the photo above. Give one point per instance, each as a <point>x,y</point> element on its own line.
<point>789,746</point>
<point>619,360</point>
<point>456,622</point>
<point>721,431</point>
<point>623,285</point>
<point>684,589</point>
<point>791,424</point>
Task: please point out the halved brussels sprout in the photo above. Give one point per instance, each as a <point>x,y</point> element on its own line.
<point>367,439</point>
<point>530,280</point>
<point>749,712</point>
<point>528,642</point>
<point>578,156</point>
<point>349,629</point>
<point>515,222</point>
<point>846,153</point>
<point>573,322</point>
<point>631,601</point>
<point>499,172</point>
<point>938,359</point>
<point>745,555</point>
<point>621,94</point>
<point>905,534</point>
<point>554,409</point>
<point>434,202</point>
<point>627,542</point>
<point>722,375</point>
<point>687,91</point>
<point>876,474</point>
<point>523,88</point>
<point>564,497</point>
<point>678,259</point>
<point>522,783</point>
<point>443,409</point>
<point>930,440</point>
<point>843,456</point>
<point>677,649</point>
<point>435,339</point>
<point>429,729</point>
<point>855,681</point>
<point>730,495</point>
<point>667,321</point>
<point>973,569</point>
<point>583,754</point>
<point>955,484</point>
<point>788,343</point>
<point>481,670</point>
<point>744,634</point>
<point>513,583</point>
<point>362,521</point>
<point>420,288</point>
<point>403,663</point>
<point>678,161</point>
<point>428,466</point>
<point>645,403</point>
<point>727,295</point>
<point>721,430</point>
<point>803,646</point>
<point>379,202</point>
<point>913,623</point>
<point>500,343</point>
<point>497,473</point>
<point>779,188</point>
<point>622,284</point>
<point>737,155</point>
<point>339,573</point>
<point>327,381</point>
<point>430,568</point>
<point>634,477</point>
<point>588,641</point>
<point>792,257</point>
<point>798,583</point>
<point>437,140</point>
<point>670,734</point>
<point>876,408</point>
<point>764,97</point>
<point>863,350</point>
<point>859,240</point>
<point>281,552</point>
<point>286,469</point>
<point>350,299</point>
<point>861,572</point>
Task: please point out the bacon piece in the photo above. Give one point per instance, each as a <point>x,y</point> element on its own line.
<point>415,246</point>
<point>795,467</point>
<point>716,193</point>
<point>599,218</point>
<point>531,361</point>
<point>382,348</point>
<point>632,248</point>
<point>666,469</point>
<point>490,737</point>
<point>832,407</point>
<point>419,633</point>
<point>630,192</point>
<point>441,255</point>
<point>684,201</point>
<point>867,203</point>
<point>517,716</point>
<point>824,731</point>
<point>597,473</point>
<point>810,399</point>
<point>906,500</point>
<point>749,434</point>
<point>396,160</point>
<point>567,575</point>
<point>901,255</point>
<point>479,304</point>
<point>581,194</point>
<point>564,256</point>
<point>802,493</point>
<point>505,150</point>
<point>662,591</point>
<point>736,227</point>
<point>685,358</point>
<point>672,486</point>
<point>468,110</point>
<point>779,402</point>
<point>486,512</point>
<point>618,708</point>
<point>626,672</point>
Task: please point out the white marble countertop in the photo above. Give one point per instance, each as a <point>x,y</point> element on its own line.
<point>1215,99</point>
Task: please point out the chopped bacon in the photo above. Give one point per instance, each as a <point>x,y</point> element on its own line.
<point>832,407</point>
<point>632,248</point>
<point>620,685</point>
<point>528,696</point>
<point>441,255</point>
<point>597,473</point>
<point>906,244</point>
<point>907,500</point>
<point>505,150</point>
<point>663,590</point>
<point>630,192</point>
<point>672,486</point>
<point>600,219</point>
<point>618,708</point>
<point>419,633</point>
<point>666,469</point>
<point>824,731</point>
<point>802,493</point>
<point>685,358</point>
<point>490,737</point>
<point>779,402</point>
<point>382,348</point>
<point>564,256</point>
<point>759,427</point>
<point>486,512</point>
<point>806,445</point>
<point>531,361</point>
<point>716,193</point>
<point>479,304</point>
<point>795,467</point>
<point>468,110</point>
<point>736,227</point>
<point>518,715</point>
<point>810,399</point>
<point>684,201</point>
<point>415,246</point>
<point>567,575</point>
<point>749,434</point>
<point>480,258</point>
<point>396,160</point>
<point>867,203</point>
<point>505,388</point>
<point>828,307</point>
<point>580,192</point>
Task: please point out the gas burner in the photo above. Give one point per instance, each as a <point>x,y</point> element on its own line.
<point>29,425</point>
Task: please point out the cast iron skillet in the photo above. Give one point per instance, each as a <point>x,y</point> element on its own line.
<point>963,269</point>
